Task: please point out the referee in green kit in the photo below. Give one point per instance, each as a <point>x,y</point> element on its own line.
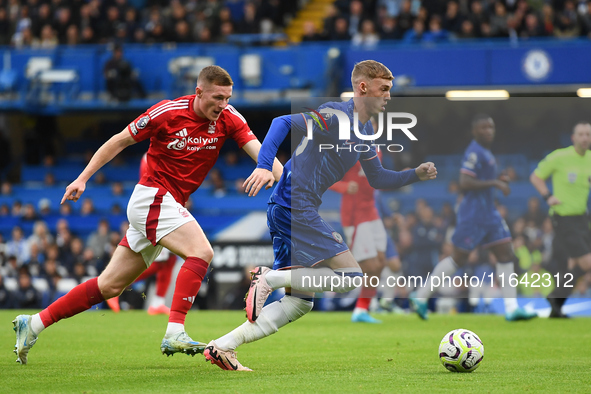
<point>570,169</point>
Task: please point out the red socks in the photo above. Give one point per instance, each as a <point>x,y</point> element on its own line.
<point>187,286</point>
<point>79,299</point>
<point>365,297</point>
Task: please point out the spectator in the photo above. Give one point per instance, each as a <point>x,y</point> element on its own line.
<point>416,33</point>
<point>341,30</point>
<point>498,21</point>
<point>29,213</point>
<point>226,29</point>
<point>477,17</point>
<point>6,189</point>
<point>250,23</point>
<point>18,246</point>
<point>41,236</point>
<point>435,33</point>
<point>5,295</point>
<point>99,239</point>
<point>534,212</point>
<point>217,183</point>
<point>390,30</point>
<point>117,189</point>
<point>72,36</point>
<point>532,27</point>
<point>406,18</point>
<point>310,32</point>
<point>48,38</point>
<point>452,21</point>
<point>26,296</point>
<point>567,21</point>
<point>10,269</point>
<point>355,16</point>
<point>548,19</point>
<point>87,207</point>
<point>44,206</point>
<point>467,30</point>
<point>122,83</point>
<point>367,37</point>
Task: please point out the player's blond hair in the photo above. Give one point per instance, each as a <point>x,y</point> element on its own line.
<point>368,70</point>
<point>214,75</point>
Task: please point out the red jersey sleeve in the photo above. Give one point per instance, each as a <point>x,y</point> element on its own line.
<point>238,129</point>
<point>144,127</point>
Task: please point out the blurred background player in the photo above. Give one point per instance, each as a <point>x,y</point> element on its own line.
<point>301,238</point>
<point>570,169</point>
<point>183,134</point>
<point>162,269</point>
<point>479,222</point>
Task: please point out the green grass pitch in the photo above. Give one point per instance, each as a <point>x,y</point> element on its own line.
<point>103,352</point>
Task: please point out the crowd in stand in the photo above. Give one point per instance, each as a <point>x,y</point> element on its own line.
<point>367,22</point>
<point>45,23</point>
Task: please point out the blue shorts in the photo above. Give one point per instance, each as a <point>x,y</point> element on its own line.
<point>391,250</point>
<point>301,237</point>
<point>469,234</point>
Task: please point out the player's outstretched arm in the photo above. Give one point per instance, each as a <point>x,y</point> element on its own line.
<point>380,178</point>
<point>468,182</point>
<point>258,179</point>
<point>103,155</point>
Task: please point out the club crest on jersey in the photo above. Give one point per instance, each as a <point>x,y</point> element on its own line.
<point>142,122</point>
<point>179,143</point>
<point>211,129</point>
<point>337,237</point>
<point>572,177</point>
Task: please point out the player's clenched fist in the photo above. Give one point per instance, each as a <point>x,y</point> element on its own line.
<point>74,191</point>
<point>259,178</point>
<point>426,171</point>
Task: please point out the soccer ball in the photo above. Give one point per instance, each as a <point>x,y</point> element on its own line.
<point>461,351</point>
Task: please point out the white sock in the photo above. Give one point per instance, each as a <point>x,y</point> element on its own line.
<point>157,301</point>
<point>174,328</point>
<point>36,324</point>
<point>317,280</point>
<point>278,279</point>
<point>446,267</point>
<point>272,318</point>
<point>509,292</point>
<point>359,310</point>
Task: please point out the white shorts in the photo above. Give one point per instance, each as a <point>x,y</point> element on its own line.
<point>366,239</point>
<point>152,213</point>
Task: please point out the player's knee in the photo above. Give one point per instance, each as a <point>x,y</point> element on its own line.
<point>111,290</point>
<point>206,254</point>
<point>295,307</point>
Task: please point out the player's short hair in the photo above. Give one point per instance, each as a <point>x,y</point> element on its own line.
<point>582,122</point>
<point>215,75</point>
<point>479,118</point>
<point>370,69</point>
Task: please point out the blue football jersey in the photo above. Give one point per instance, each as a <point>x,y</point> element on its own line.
<point>310,172</point>
<point>478,205</point>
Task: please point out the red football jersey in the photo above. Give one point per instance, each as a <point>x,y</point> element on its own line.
<point>184,146</point>
<point>359,207</point>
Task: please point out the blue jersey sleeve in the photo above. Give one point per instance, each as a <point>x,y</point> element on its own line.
<point>470,163</point>
<point>277,132</point>
<point>380,178</point>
